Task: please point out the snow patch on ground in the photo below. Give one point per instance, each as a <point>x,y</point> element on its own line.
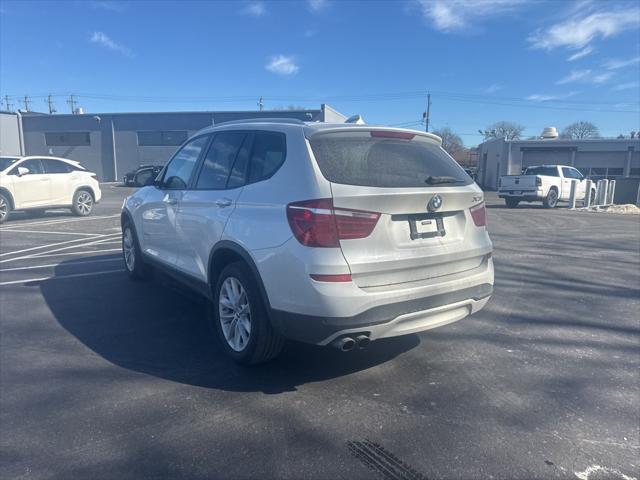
<point>602,472</point>
<point>625,209</point>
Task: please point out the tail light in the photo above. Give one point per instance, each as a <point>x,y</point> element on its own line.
<point>341,277</point>
<point>538,181</point>
<point>316,223</point>
<point>479,215</point>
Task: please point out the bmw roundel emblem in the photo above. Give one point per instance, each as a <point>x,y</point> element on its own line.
<point>435,203</point>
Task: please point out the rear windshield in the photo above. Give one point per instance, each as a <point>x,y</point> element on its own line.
<point>548,171</point>
<point>360,159</point>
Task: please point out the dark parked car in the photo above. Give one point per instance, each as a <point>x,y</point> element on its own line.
<point>142,175</point>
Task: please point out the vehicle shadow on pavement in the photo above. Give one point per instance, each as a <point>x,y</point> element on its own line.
<point>161,329</point>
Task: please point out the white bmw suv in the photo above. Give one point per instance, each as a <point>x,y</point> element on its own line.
<point>331,234</point>
<point>35,184</point>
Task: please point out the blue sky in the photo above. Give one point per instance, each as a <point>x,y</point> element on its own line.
<point>539,63</point>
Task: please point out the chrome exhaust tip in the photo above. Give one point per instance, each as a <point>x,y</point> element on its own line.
<point>344,344</point>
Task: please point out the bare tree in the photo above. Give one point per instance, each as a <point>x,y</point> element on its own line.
<point>451,142</point>
<point>506,130</point>
<point>580,129</point>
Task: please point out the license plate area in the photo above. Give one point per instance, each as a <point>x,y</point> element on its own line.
<point>426,225</point>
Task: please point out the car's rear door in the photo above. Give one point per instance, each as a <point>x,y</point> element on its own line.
<point>157,216</point>
<point>61,183</point>
<point>425,229</point>
<point>33,189</point>
<point>205,207</point>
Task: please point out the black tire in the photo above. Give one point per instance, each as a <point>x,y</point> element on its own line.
<point>135,266</point>
<point>511,202</point>
<point>263,343</point>
<point>551,200</point>
<point>5,208</point>
<point>82,202</point>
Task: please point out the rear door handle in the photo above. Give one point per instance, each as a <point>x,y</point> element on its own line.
<point>44,179</point>
<point>223,202</point>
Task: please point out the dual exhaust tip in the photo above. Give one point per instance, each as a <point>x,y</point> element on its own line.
<point>346,344</point>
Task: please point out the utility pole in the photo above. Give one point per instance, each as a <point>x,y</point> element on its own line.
<point>260,104</point>
<point>8,105</point>
<point>426,115</point>
<point>49,102</point>
<point>72,103</point>
<point>26,101</point>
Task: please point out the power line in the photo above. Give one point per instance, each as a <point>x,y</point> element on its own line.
<point>26,101</point>
<point>49,102</point>
<point>71,101</point>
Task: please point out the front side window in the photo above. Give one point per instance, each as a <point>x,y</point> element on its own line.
<point>178,172</point>
<point>267,155</point>
<point>55,166</point>
<point>34,166</point>
<point>219,160</point>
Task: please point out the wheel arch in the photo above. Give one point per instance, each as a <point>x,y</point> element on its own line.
<point>87,188</point>
<point>225,252</point>
<point>7,194</point>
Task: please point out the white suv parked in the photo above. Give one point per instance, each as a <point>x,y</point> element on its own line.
<point>35,184</point>
<point>322,233</point>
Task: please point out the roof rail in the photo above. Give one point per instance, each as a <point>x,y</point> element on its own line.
<point>293,121</point>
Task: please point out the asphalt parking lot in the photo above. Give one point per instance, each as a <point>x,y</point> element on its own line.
<point>104,378</point>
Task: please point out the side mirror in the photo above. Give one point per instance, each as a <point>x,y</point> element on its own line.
<point>22,171</point>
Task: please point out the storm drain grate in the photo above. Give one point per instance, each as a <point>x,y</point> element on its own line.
<point>380,460</point>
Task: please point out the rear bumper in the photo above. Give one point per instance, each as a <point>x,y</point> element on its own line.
<point>389,320</point>
<point>524,195</point>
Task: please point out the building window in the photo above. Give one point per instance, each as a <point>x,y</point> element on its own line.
<point>162,138</point>
<point>67,139</point>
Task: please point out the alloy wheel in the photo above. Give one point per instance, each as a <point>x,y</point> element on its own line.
<point>234,313</point>
<point>84,203</point>
<point>128,248</point>
<point>4,208</point>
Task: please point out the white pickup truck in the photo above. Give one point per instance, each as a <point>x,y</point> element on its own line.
<point>544,183</point>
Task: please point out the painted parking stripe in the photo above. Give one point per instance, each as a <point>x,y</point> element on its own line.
<point>103,238</point>
<point>52,233</point>
<point>54,245</point>
<point>76,262</point>
<point>87,252</point>
<point>59,277</point>
<point>59,220</point>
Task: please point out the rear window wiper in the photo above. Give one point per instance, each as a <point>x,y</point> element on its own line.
<point>431,180</point>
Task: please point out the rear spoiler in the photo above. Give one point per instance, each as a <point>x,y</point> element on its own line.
<point>310,132</point>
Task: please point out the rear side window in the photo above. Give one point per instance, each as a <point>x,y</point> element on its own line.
<point>548,171</point>
<point>267,155</point>
<point>358,158</point>
<point>219,160</point>
<point>55,166</point>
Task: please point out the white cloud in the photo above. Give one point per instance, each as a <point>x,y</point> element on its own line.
<point>615,64</point>
<point>626,86</point>
<point>310,33</point>
<point>580,53</point>
<point>493,88</point>
<point>317,5</point>
<point>537,97</point>
<point>282,65</point>
<point>585,76</point>
<point>450,15</point>
<point>102,39</point>
<point>581,29</point>
<point>109,5</point>
<point>255,9</point>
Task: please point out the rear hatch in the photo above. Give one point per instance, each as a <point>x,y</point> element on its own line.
<point>517,182</point>
<point>425,228</point>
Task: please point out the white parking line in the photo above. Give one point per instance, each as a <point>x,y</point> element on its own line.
<point>52,245</point>
<point>77,262</point>
<point>44,255</point>
<point>57,277</point>
<point>58,220</point>
<point>103,238</point>
<point>53,233</point>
